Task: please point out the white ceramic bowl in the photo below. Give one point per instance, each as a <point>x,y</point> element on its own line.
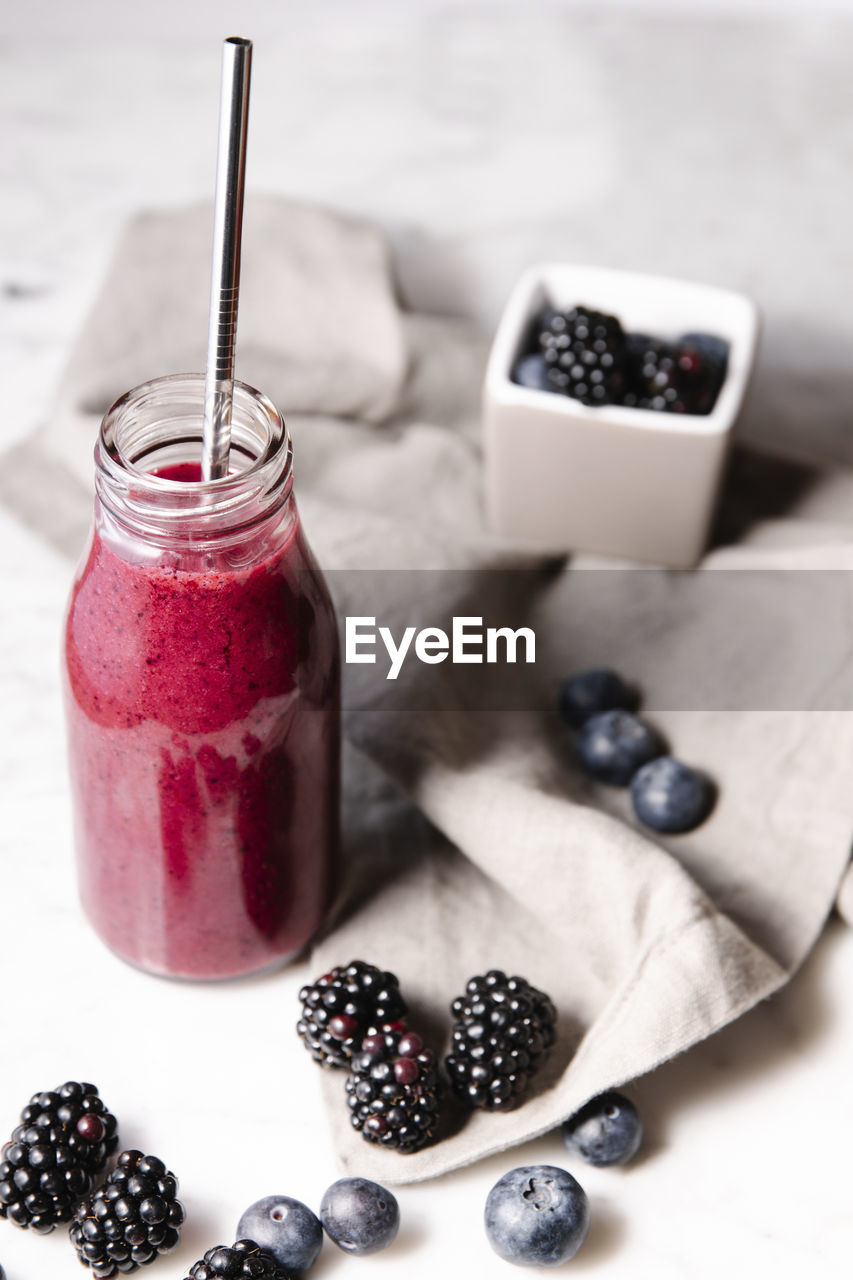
<point>632,483</point>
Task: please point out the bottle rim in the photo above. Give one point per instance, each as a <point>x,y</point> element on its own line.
<point>167,413</point>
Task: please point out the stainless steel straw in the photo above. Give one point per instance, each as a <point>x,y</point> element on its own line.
<point>225,271</point>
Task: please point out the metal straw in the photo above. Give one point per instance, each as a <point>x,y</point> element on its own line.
<point>225,271</point>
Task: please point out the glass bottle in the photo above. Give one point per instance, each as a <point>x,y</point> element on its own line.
<point>202,690</point>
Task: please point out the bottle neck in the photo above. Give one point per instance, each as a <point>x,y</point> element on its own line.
<point>152,504</point>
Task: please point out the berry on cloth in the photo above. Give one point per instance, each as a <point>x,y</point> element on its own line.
<point>587,693</point>
<point>345,1005</point>
<point>670,797</point>
<point>613,745</point>
<point>392,1091</point>
<point>503,1031</point>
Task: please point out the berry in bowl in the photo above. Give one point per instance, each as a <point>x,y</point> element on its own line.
<point>609,403</point>
<point>587,355</point>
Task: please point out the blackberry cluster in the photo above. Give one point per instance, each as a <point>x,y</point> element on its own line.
<point>392,1091</point>
<point>503,1031</point>
<point>584,354</point>
<point>131,1219</point>
<point>55,1154</point>
<point>669,377</point>
<point>345,1005</point>
<point>243,1259</point>
<point>587,355</point>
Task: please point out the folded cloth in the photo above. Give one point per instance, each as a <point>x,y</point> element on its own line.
<point>470,843</point>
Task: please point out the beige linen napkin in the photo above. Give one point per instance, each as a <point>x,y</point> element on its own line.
<point>471,840</point>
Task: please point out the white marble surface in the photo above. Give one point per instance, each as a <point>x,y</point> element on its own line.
<point>423,115</point>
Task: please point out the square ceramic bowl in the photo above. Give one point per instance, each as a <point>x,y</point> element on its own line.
<point>632,483</point>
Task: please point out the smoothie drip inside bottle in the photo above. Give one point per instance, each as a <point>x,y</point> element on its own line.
<point>202,687</point>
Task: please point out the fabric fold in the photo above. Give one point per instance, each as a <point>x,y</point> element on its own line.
<point>471,839</point>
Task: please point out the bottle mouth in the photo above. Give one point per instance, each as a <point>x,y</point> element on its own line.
<point>158,426</point>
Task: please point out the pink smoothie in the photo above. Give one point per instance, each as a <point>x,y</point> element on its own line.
<point>203,714</point>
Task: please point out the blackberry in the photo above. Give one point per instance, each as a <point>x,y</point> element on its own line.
<point>345,1005</point>
<point>55,1154</point>
<point>392,1091</point>
<point>584,354</point>
<point>671,377</point>
<point>243,1259</point>
<point>503,1031</point>
<point>131,1219</point>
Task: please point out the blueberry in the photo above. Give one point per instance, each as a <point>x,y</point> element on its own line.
<point>599,689</point>
<point>530,371</point>
<point>359,1216</point>
<point>537,1216</point>
<point>286,1228</point>
<point>709,345</point>
<point>607,1130</point>
<point>613,745</point>
<point>670,796</point>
